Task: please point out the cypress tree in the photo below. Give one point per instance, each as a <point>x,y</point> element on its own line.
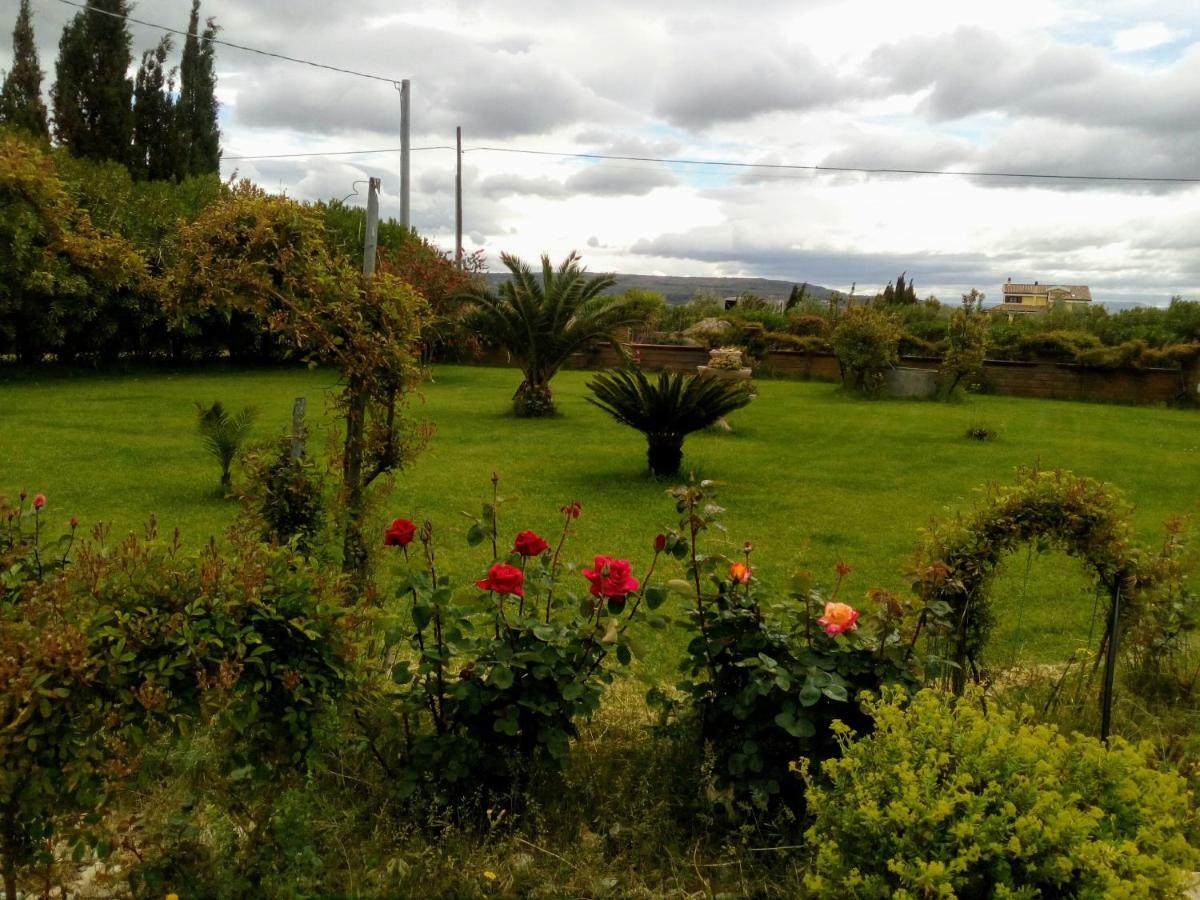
<point>21,104</point>
<point>93,94</point>
<point>899,295</point>
<point>197,108</point>
<point>156,143</point>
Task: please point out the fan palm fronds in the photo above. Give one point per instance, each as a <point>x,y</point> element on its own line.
<point>667,409</point>
<point>223,434</point>
<point>541,319</point>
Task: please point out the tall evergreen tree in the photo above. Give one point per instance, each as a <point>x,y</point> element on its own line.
<point>21,104</point>
<point>899,295</point>
<point>93,94</point>
<point>157,145</point>
<point>197,108</point>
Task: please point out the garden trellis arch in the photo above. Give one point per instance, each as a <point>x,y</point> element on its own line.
<point>1080,516</point>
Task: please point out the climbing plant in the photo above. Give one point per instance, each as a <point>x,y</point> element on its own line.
<point>1079,516</point>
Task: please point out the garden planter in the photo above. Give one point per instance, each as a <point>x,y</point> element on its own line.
<point>905,383</point>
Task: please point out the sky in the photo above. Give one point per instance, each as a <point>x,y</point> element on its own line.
<point>1099,87</point>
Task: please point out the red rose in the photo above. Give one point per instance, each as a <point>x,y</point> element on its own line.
<point>39,501</point>
<point>399,534</point>
<point>572,509</point>
<point>74,522</point>
<point>610,578</point>
<point>660,543</point>
<point>529,544</point>
<point>503,579</point>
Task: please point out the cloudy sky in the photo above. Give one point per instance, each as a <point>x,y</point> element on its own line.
<point>1105,87</point>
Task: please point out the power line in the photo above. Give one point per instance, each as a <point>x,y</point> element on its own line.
<point>751,165</point>
<point>306,62</point>
<point>815,168</point>
<point>336,153</point>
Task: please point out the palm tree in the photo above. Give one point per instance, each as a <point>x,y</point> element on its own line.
<point>223,434</point>
<point>542,321</point>
<point>668,410</point>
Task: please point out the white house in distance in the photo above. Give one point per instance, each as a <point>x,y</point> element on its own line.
<point>1023,299</point>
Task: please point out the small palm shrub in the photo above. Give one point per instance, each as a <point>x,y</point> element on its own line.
<point>667,409</point>
<point>223,434</point>
<point>542,321</point>
<point>943,800</point>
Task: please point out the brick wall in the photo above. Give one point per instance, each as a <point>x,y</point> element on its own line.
<point>1060,381</point>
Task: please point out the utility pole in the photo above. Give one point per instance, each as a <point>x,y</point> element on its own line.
<point>371,238</point>
<point>405,95</point>
<point>458,248</point>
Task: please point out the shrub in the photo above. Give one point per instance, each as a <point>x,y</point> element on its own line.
<point>667,410</point>
<point>131,640</point>
<point>866,341</point>
<point>492,687</point>
<point>284,496</point>
<point>1065,346</point>
<point>807,325</point>
<point>766,681</point>
<point>944,800</point>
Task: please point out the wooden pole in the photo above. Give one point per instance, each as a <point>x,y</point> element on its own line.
<point>458,217</point>
<point>371,238</point>
<point>405,97</point>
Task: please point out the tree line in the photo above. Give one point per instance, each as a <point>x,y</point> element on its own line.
<point>98,112</point>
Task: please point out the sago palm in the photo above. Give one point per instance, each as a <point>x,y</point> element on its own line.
<point>667,409</point>
<point>223,433</point>
<point>541,319</point>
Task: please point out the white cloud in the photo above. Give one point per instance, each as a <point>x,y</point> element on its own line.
<point>1146,36</point>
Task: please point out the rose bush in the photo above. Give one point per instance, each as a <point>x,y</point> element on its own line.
<point>488,686</point>
<point>764,683</point>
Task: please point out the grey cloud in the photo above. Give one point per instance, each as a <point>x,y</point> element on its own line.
<point>706,85</point>
<point>972,71</point>
<point>598,180</point>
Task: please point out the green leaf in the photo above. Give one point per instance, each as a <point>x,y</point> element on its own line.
<point>502,677</point>
<point>476,535</point>
<point>624,656</point>
<point>655,597</point>
<point>422,615</point>
<point>401,674</point>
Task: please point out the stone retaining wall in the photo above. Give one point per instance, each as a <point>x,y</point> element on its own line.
<point>1061,381</point>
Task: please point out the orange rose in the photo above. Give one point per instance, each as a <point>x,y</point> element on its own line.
<point>839,618</point>
<point>740,573</point>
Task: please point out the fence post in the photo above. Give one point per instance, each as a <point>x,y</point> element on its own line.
<point>1110,663</point>
<point>298,409</point>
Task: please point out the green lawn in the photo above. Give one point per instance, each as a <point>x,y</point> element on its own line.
<point>812,477</point>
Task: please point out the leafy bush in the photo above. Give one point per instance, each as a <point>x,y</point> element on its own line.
<point>944,800</point>
<point>666,410</point>
<point>127,641</point>
<point>866,341</point>
<point>285,495</point>
<point>1065,346</point>
<point>767,681</point>
<point>807,325</point>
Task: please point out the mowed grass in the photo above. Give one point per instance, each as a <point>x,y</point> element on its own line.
<point>810,476</point>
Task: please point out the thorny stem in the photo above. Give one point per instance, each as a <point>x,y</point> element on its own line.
<point>37,539</point>
<point>694,530</point>
<point>562,539</point>
<point>495,514</point>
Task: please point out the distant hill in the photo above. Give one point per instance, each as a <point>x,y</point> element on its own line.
<point>682,288</point>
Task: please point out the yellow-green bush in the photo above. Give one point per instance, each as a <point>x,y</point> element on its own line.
<point>944,800</point>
